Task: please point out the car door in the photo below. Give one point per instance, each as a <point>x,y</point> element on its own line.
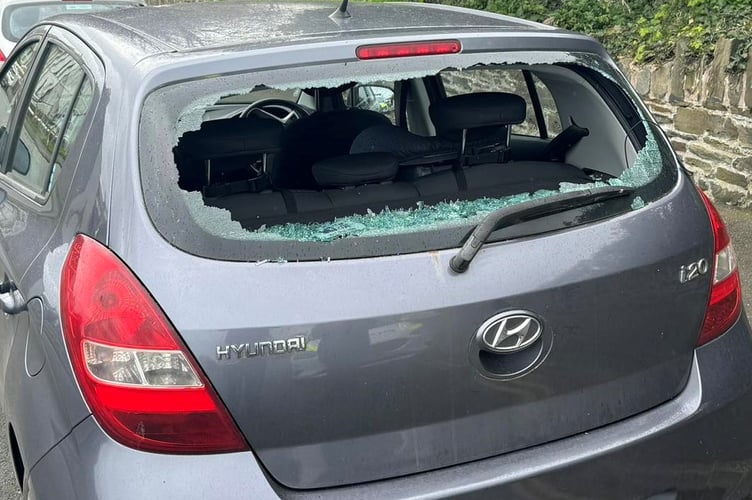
<point>41,148</point>
<point>13,79</point>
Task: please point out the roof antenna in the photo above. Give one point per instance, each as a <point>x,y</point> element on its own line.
<point>341,12</point>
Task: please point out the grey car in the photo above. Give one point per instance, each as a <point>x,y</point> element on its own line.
<point>224,278</point>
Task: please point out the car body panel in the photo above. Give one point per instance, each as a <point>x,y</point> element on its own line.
<point>419,385</point>
<point>75,204</point>
<point>666,449</point>
<point>231,308</point>
<point>324,443</point>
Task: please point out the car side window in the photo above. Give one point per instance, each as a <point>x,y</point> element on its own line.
<point>11,84</point>
<point>548,107</point>
<point>377,97</point>
<point>59,100</point>
<point>503,80</point>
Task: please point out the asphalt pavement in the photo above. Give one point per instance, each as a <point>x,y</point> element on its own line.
<point>8,484</point>
<point>739,223</point>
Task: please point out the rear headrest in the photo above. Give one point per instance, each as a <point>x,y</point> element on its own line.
<point>355,170</point>
<point>233,136</point>
<point>484,109</point>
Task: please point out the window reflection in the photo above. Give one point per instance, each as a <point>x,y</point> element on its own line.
<point>11,84</point>
<point>50,107</point>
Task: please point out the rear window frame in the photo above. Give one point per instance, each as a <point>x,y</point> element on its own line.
<point>197,241</point>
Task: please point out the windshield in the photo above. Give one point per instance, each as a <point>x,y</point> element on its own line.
<point>372,163</point>
<point>19,18</point>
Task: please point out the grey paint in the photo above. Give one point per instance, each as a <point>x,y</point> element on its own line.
<point>323,443</point>
<point>693,443</point>
<point>89,465</point>
<point>42,409</point>
<point>420,392</point>
<point>266,24</point>
<point>211,302</point>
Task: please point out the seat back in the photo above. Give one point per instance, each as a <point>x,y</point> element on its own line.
<point>223,152</point>
<point>471,129</point>
<point>314,138</point>
<point>355,170</point>
<point>480,123</point>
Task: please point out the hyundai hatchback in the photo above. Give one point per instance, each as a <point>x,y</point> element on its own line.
<point>258,250</point>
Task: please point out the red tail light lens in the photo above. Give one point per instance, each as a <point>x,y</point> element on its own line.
<point>409,49</point>
<point>140,381</point>
<point>2,57</point>
<point>725,303</point>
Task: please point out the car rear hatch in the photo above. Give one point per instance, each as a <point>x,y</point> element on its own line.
<point>383,362</point>
<point>347,371</point>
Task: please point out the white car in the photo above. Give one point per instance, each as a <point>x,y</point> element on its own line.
<point>17,16</point>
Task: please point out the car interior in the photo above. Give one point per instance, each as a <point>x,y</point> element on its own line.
<point>311,155</point>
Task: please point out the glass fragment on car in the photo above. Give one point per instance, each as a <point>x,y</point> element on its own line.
<point>636,160</point>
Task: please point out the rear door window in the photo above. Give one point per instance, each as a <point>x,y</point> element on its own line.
<point>11,85</point>
<point>378,97</point>
<point>548,107</point>
<point>512,81</point>
<point>59,99</point>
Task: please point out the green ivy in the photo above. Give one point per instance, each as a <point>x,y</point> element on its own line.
<point>647,30</point>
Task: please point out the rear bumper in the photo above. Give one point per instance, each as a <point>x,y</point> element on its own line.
<point>699,442</point>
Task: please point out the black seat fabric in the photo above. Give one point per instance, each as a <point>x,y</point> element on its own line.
<point>495,180</point>
<point>229,145</point>
<point>404,145</point>
<point>315,138</point>
<point>481,121</point>
<point>479,110</point>
<point>355,170</point>
<point>234,136</point>
<point>486,118</point>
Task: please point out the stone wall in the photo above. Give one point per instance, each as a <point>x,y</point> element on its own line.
<point>707,113</point>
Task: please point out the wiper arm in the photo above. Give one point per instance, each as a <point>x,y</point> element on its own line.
<point>509,216</point>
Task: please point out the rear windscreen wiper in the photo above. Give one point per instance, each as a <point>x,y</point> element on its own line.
<point>509,216</point>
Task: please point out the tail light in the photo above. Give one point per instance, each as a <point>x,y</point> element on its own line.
<point>139,379</point>
<point>408,49</point>
<point>2,57</point>
<point>725,306</point>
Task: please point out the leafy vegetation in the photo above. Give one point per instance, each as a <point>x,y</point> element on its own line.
<point>647,30</point>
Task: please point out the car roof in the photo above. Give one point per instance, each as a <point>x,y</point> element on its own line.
<point>188,27</point>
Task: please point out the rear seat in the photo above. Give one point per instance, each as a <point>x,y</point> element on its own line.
<point>471,129</point>
<point>476,126</point>
<point>493,180</point>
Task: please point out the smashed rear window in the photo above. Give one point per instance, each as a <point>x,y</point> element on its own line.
<point>290,165</point>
